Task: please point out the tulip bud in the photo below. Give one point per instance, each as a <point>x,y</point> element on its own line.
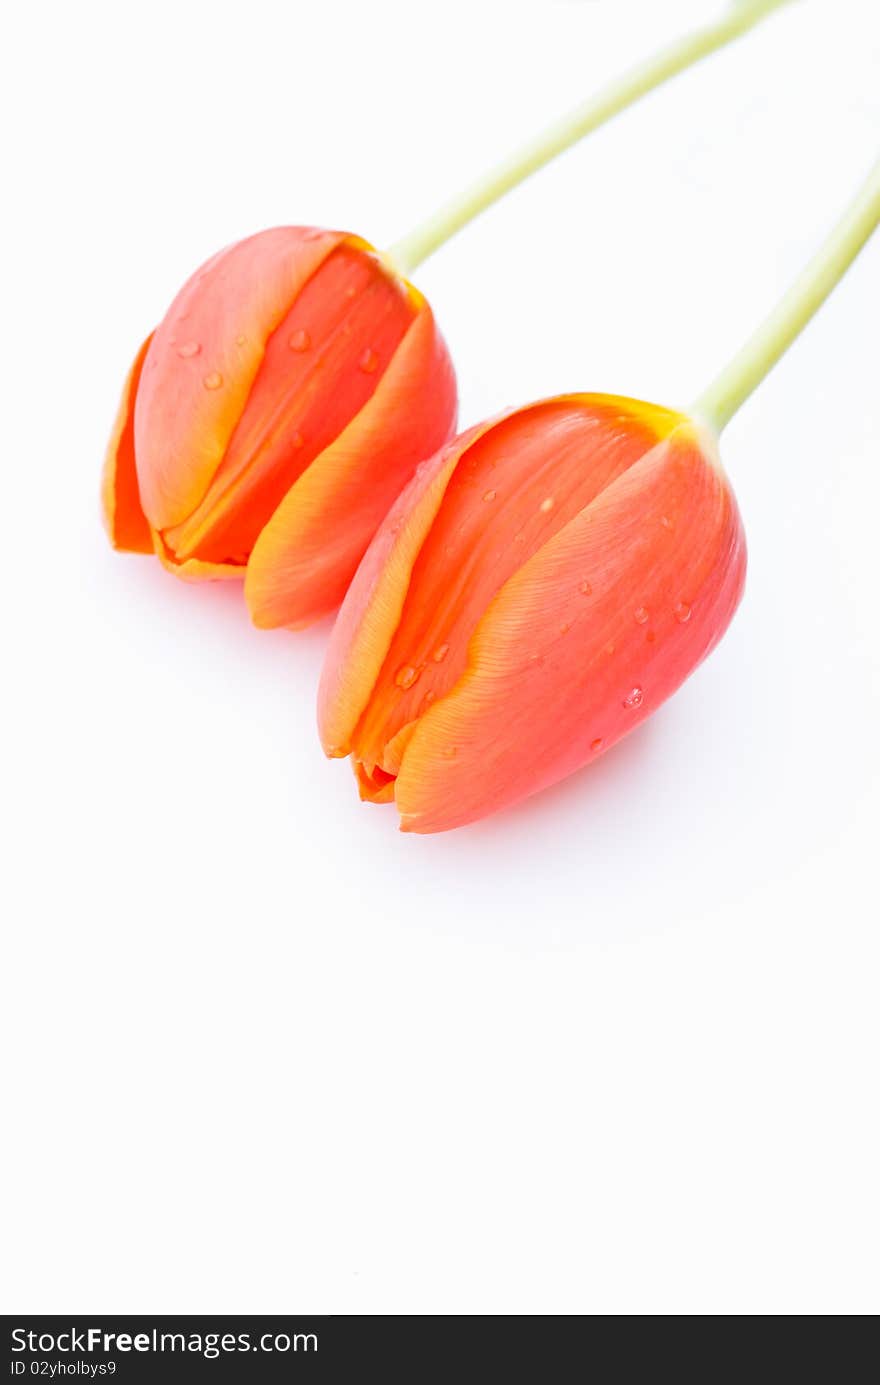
<point>272,417</point>
<point>544,583</point>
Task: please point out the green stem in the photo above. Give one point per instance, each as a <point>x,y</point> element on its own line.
<point>729,391</point>
<point>412,249</point>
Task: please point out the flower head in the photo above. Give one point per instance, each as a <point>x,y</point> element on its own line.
<point>272,417</point>
<point>542,585</point>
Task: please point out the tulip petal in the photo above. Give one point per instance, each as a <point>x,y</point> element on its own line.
<point>307,553</point>
<point>124,518</point>
<point>204,359</point>
<point>597,629</point>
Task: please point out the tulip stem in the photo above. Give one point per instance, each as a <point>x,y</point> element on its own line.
<point>729,391</point>
<point>412,249</point>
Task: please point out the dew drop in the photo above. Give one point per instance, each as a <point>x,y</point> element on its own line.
<point>240,341</point>
<point>213,381</point>
<point>641,615</point>
<point>651,636</point>
<point>585,588</point>
<point>299,341</point>
<point>297,440</point>
<point>490,495</point>
<point>635,698</point>
<point>666,522</point>
<point>428,698</point>
<point>406,676</point>
<point>565,627</point>
<point>609,649</point>
<point>189,349</point>
<point>596,744</point>
<point>519,538</point>
<point>682,612</point>
<point>440,653</point>
<point>547,505</point>
<point>350,292</point>
<point>369,362</point>
<point>449,752</point>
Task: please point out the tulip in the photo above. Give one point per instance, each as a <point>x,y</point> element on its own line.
<point>543,584</point>
<point>295,364</point>
<point>285,398</point>
<point>546,581</point>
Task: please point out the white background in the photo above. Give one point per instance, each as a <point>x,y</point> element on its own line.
<point>613,1051</point>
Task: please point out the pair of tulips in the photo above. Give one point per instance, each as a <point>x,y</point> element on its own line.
<point>514,599</point>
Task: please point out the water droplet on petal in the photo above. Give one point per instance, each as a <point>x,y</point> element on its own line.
<point>635,698</point>
<point>449,752</point>
<point>667,523</point>
<point>651,636</point>
<point>213,381</point>
<point>299,340</point>
<point>240,341</point>
<point>369,361</point>
<point>641,615</point>
<point>547,505</point>
<point>519,538</point>
<point>297,440</point>
<point>406,676</point>
<point>585,588</point>
<point>490,495</point>
<point>596,744</point>
<point>428,698</point>
<point>609,649</point>
<point>440,653</point>
<point>565,627</point>
<point>188,349</point>
<point>682,612</point>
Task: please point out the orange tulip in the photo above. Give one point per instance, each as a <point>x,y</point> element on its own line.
<point>273,416</point>
<point>542,585</point>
